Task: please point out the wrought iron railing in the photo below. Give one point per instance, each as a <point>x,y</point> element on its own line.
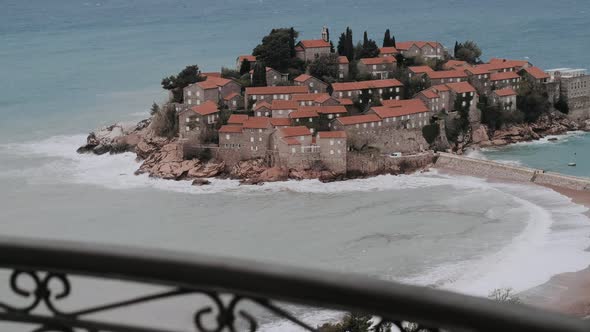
<point>40,278</point>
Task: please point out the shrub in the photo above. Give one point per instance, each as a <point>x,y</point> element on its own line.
<point>504,295</point>
<point>352,322</point>
<point>430,132</point>
<point>165,121</point>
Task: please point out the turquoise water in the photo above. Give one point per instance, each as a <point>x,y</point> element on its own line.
<point>549,155</point>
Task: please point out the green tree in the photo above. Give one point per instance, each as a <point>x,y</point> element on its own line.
<point>324,67</point>
<point>491,115</point>
<point>368,49</point>
<point>277,48</point>
<point>533,103</point>
<point>353,322</point>
<point>259,74</point>
<point>468,51</point>
<point>430,132</point>
<point>230,73</point>
<point>341,47</point>
<point>388,41</point>
<point>175,84</point>
<point>345,46</point>
<point>154,109</point>
<point>165,121</point>
<point>245,67</point>
<point>461,106</point>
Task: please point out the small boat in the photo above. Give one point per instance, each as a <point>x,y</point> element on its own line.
<point>572,164</point>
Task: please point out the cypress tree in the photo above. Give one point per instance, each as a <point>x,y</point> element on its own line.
<point>349,45</point>
<point>328,33</point>
<point>259,75</point>
<point>342,44</point>
<point>387,39</point>
<point>332,47</point>
<point>245,67</point>
<point>365,39</point>
<point>292,41</point>
<point>393,41</point>
<point>457,47</point>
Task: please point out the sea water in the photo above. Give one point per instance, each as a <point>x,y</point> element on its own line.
<point>69,66</point>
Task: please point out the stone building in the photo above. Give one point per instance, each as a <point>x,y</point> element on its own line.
<point>358,124</point>
<point>262,109</point>
<point>408,114</point>
<point>305,116</point>
<point>442,97</point>
<point>576,91</point>
<point>233,101</point>
<point>250,139</point>
<point>392,88</point>
<point>446,76</point>
<point>379,68</point>
<point>508,79</point>
<point>534,75</point>
<point>237,119</point>
<point>293,147</point>
<point>315,99</point>
<point>273,77</point>
<point>255,95</point>
<point>333,147</point>
<point>315,85</point>
<point>455,64</point>
<point>196,122</point>
<point>388,52</point>
<point>343,64</point>
<point>414,71</point>
<point>309,50</point>
<point>213,88</point>
<point>282,108</point>
<point>505,98</point>
<point>425,49</point>
<point>479,77</point>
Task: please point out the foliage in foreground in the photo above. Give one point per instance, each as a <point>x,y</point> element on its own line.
<point>504,295</point>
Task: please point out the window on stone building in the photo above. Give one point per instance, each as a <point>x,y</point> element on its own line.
<point>227,136</point>
<point>188,128</point>
<point>251,139</point>
<point>293,150</point>
<point>310,120</point>
<point>190,102</point>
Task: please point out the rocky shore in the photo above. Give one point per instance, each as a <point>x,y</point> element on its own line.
<point>548,124</point>
<point>163,158</point>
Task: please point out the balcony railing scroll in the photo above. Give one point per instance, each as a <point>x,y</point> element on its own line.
<point>40,274</point>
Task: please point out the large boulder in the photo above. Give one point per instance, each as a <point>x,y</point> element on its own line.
<point>479,135</point>
<point>116,138</point>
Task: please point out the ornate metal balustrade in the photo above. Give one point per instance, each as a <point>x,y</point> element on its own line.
<point>40,274</point>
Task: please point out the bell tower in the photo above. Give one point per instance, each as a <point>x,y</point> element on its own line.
<point>325,34</point>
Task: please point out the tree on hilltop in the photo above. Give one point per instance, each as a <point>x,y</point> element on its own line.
<point>277,48</point>
<point>259,74</point>
<point>468,51</point>
<point>388,40</point>
<point>368,48</point>
<point>175,83</point>
<point>325,67</point>
<point>345,45</point>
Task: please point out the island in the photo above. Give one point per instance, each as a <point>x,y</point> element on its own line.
<point>307,109</point>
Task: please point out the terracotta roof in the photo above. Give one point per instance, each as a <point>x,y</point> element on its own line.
<point>231,96</point>
<point>323,98</point>
<point>273,90</point>
<point>461,87</point>
<point>302,78</point>
<point>332,134</point>
<point>446,74</point>
<point>366,85</point>
<point>206,108</point>
<point>378,61</point>
<point>314,43</point>
<point>507,75</point>
<point>278,104</point>
<point>345,101</point>
<point>356,119</point>
<point>324,109</point>
<point>343,60</point>
<point>237,119</point>
<point>212,74</point>
<point>420,69</point>
<point>388,50</point>
<point>267,70</point>
<point>440,87</point>
<point>319,97</point>
<point>454,63</point>
<point>390,112</point>
<point>294,131</point>
<point>505,92</point>
<point>207,85</point>
<point>478,70</point>
<point>258,122</point>
<point>212,82</point>
<point>261,105</point>
<point>429,93</point>
<point>406,103</point>
<point>304,113</point>
<point>537,73</point>
<point>230,129</point>
<point>420,44</point>
<point>291,141</point>
<point>516,63</point>
<point>250,58</point>
<point>280,122</point>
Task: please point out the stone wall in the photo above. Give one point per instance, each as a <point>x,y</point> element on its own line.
<point>492,169</point>
<point>367,163</point>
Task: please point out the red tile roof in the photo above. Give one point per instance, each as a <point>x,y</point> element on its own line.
<point>406,103</point>
<point>317,97</point>
<point>279,122</point>
<point>388,50</point>
<point>357,119</point>
<point>345,101</point>
<point>366,85</point>
<point>507,75</point>
<point>378,61</point>
<point>461,87</point>
<point>249,58</point>
<point>454,63</point>
<point>278,104</point>
<point>273,90</point>
<point>294,131</point>
<point>420,69</point>
<point>420,44</point>
<point>446,74</point>
<point>440,87</point>
<point>322,98</point>
<point>537,73</point>
<point>324,109</point>
<point>261,105</point>
<point>291,141</point>
<point>304,113</point>
<point>516,63</point>
<point>391,112</point>
<point>237,119</point>
<point>231,96</point>
<point>259,122</point>
<point>230,129</point>
<point>332,134</point>
<point>478,70</point>
<point>505,92</point>
<point>429,93</point>
<point>314,43</point>
<point>207,85</point>
<point>212,74</point>
<point>343,60</point>
<point>304,77</point>
<point>206,108</point>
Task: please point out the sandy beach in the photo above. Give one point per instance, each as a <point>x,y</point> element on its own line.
<point>567,293</point>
